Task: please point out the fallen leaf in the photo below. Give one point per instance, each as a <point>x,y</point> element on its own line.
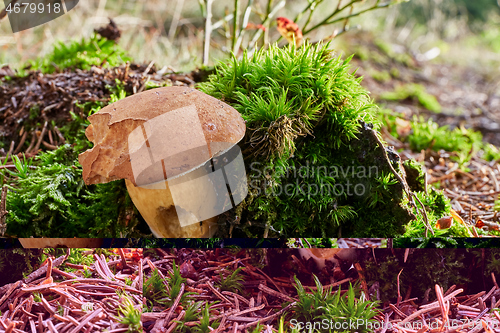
<point>403,127</point>
<point>444,222</point>
<point>290,30</point>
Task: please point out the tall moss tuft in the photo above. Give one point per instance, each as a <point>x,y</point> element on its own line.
<point>284,94</point>
<point>316,166</point>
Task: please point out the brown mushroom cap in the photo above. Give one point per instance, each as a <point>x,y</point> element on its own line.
<point>39,243</point>
<point>172,121</point>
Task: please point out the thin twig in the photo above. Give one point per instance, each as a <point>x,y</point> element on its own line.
<point>175,19</point>
<point>217,293</point>
<point>11,148</point>
<point>271,317</point>
<point>3,210</point>
<point>208,32</point>
<point>327,22</point>
<point>48,145</point>
<point>242,30</point>
<point>32,143</point>
<point>20,144</point>
<point>265,23</point>
<point>44,130</point>
<point>176,303</point>
<point>236,27</point>
<point>275,293</point>
<point>59,134</point>
<point>146,71</point>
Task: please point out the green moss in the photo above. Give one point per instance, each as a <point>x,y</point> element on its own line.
<point>437,206</point>
<point>437,202</point>
<point>284,93</point>
<point>416,92</point>
<point>490,152</point>
<point>415,175</point>
<point>464,142</point>
<point>309,146</point>
<point>324,305</point>
<point>395,73</point>
<point>34,112</point>
<point>380,76</point>
<point>83,54</point>
<point>52,201</point>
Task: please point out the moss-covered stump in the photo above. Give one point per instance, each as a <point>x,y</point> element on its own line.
<point>315,164</point>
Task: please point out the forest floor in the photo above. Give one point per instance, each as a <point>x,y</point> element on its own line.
<point>464,97</point>
<point>252,290</point>
<point>259,290</point>
<point>82,290</point>
<point>467,97</point>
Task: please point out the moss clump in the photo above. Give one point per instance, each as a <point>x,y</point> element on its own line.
<point>93,51</point>
<point>316,165</point>
<point>284,93</point>
<point>51,200</point>
<point>427,134</point>
<point>325,305</point>
<point>464,142</point>
<point>414,91</point>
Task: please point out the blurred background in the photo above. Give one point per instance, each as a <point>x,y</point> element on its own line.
<point>172,32</point>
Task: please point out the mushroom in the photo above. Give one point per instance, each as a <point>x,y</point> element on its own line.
<point>322,255</point>
<point>176,149</point>
<point>38,243</point>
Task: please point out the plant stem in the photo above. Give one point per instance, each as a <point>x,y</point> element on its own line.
<point>3,211</point>
<point>265,23</point>
<point>208,32</point>
<point>360,12</point>
<point>335,12</point>
<point>175,19</point>
<point>219,23</point>
<point>311,7</point>
<point>268,11</point>
<point>236,20</point>
<point>246,17</point>
<point>202,7</point>
<point>311,12</point>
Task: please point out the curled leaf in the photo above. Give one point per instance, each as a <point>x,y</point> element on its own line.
<point>290,30</point>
